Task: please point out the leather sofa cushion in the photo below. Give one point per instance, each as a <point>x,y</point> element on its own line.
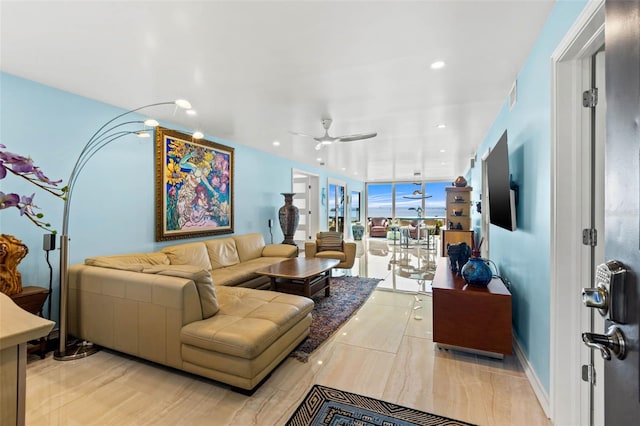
<point>222,252</point>
<point>249,246</point>
<point>248,322</point>
<point>232,275</point>
<point>280,250</point>
<point>202,279</point>
<point>157,258</point>
<point>245,271</point>
<point>189,254</point>
<point>332,254</point>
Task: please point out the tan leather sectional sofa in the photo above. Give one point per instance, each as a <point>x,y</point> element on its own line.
<point>188,307</point>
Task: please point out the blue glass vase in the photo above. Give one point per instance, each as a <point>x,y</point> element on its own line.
<point>476,272</point>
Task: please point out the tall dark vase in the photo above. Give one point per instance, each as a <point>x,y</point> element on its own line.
<point>289,217</point>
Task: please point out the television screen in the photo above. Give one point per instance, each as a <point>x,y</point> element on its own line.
<point>502,209</point>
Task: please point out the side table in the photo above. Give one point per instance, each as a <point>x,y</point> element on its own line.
<point>31,299</point>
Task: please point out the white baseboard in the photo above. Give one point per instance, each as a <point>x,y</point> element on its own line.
<point>538,389</point>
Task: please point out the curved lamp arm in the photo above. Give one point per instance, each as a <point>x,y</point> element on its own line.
<point>101,138</point>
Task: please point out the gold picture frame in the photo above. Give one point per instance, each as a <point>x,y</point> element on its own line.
<point>194,186</point>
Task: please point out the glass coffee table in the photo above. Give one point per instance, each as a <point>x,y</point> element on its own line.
<point>301,276</point>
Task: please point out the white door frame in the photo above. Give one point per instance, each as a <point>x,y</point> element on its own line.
<point>314,201</point>
<point>570,259</point>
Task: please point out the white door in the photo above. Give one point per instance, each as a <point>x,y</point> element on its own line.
<point>306,186</point>
<point>301,199</point>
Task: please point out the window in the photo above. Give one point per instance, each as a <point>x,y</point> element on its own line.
<point>379,197</point>
<point>355,206</point>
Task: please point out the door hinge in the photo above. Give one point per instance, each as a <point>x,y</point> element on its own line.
<point>590,98</point>
<point>590,237</point>
<point>589,374</point>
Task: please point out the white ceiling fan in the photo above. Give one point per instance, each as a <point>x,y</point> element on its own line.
<point>328,140</point>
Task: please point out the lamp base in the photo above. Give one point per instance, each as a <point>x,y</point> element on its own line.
<point>76,350</point>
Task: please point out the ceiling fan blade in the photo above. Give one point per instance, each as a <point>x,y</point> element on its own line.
<point>417,198</point>
<point>301,134</point>
<point>351,138</point>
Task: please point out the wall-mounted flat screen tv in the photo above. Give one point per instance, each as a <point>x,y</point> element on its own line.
<point>502,206</point>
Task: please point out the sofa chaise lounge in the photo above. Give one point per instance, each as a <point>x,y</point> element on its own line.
<point>188,307</point>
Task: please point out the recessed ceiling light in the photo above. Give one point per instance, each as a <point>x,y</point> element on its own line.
<point>276,143</point>
<point>343,168</point>
<point>191,112</point>
<point>441,126</point>
<point>437,65</point>
<point>443,150</point>
<point>319,159</point>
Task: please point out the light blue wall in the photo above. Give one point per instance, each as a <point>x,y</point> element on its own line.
<point>113,208</point>
<point>523,255</point>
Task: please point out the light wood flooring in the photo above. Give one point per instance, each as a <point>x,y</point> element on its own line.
<point>384,351</point>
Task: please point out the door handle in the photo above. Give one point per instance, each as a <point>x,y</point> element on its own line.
<point>613,341</point>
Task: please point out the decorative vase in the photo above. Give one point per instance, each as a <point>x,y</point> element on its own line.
<point>12,251</point>
<point>358,231</point>
<point>460,182</point>
<point>476,272</point>
<point>288,215</point>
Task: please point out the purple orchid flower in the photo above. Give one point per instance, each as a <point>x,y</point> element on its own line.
<point>27,205</point>
<point>42,178</point>
<point>23,167</point>
<point>20,164</point>
<point>9,200</point>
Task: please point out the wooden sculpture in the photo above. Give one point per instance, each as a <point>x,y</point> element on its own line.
<point>12,251</point>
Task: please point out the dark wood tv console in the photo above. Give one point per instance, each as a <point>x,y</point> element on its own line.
<point>470,318</point>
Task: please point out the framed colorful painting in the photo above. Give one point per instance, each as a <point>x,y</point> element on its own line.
<point>194,186</point>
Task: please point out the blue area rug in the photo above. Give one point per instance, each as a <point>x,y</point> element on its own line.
<point>329,313</point>
<point>327,406</point>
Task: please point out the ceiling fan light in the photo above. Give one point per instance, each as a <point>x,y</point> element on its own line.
<point>326,142</point>
<point>183,103</point>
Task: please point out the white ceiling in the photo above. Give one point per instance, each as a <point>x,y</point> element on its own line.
<point>254,70</point>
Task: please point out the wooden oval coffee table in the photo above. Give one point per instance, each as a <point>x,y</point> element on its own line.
<point>301,276</point>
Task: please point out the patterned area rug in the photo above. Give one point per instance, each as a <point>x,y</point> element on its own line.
<point>329,313</point>
<point>328,406</point>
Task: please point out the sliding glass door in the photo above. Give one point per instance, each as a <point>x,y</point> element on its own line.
<point>337,205</point>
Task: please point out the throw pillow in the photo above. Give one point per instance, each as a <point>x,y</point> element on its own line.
<point>329,241</point>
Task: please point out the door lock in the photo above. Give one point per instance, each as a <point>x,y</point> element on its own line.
<point>608,295</point>
<point>613,341</point>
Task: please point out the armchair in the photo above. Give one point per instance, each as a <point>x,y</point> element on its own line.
<point>329,245</point>
<point>414,226</point>
<point>378,227</point>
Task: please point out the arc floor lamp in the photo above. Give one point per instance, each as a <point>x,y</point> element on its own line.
<point>110,131</point>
